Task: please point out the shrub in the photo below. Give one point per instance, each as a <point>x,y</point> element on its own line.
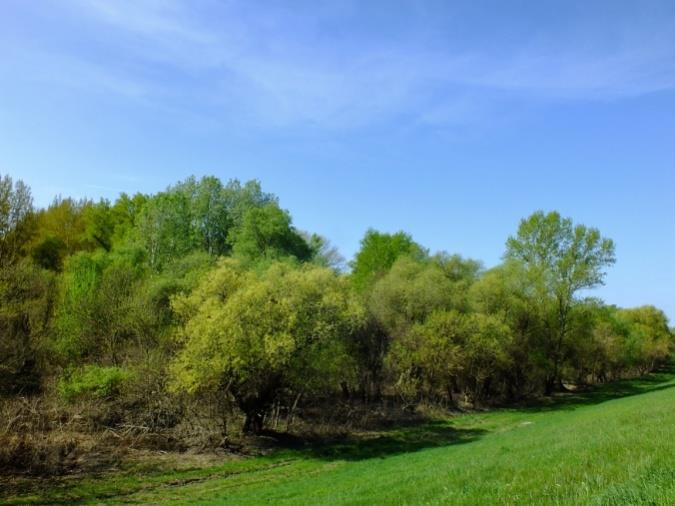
<point>93,380</point>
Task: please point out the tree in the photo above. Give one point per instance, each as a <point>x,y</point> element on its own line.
<point>267,233</point>
<point>211,216</point>
<point>164,228</point>
<point>240,198</point>
<point>427,361</point>
<point>649,340</point>
<point>251,335</point>
<point>560,259</point>
<point>505,292</point>
<point>95,315</point>
<point>451,351</point>
<point>16,208</point>
<point>124,214</point>
<point>410,292</point>
<point>378,253</point>
<point>406,295</point>
<point>400,298</point>
<point>100,227</point>
<point>323,252</point>
<point>205,215</point>
<point>26,299</point>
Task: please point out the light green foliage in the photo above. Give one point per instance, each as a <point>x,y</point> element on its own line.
<point>606,343</point>
<point>409,292</point>
<point>15,204</point>
<point>562,256</point>
<point>583,349</point>
<point>486,355</point>
<point>125,213</point>
<point>239,198</point>
<point>215,280</point>
<point>219,210</point>
<point>260,323</point>
<point>256,333</point>
<point>16,227</point>
<point>94,381</point>
<point>113,312</point>
<point>559,259</point>
<point>451,352</point>
<point>62,229</point>
<point>427,360</point>
<point>94,315</point>
<point>506,293</point>
<point>164,228</point>
<point>463,273</point>
<point>378,253</point>
<point>68,226</point>
<point>504,289</point>
<point>406,294</point>
<point>417,303</point>
<point>649,333</point>
<point>209,214</point>
<point>202,215</point>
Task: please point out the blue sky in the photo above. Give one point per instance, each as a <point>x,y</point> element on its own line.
<point>449,120</point>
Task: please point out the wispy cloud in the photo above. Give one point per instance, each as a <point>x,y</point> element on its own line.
<point>277,67</point>
<point>45,65</point>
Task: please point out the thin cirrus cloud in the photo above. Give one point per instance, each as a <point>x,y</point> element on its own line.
<point>280,68</point>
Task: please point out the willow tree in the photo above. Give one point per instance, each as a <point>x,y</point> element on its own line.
<point>252,334</point>
<point>560,259</point>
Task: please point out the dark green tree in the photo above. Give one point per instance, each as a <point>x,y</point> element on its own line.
<point>267,233</point>
<point>378,253</point>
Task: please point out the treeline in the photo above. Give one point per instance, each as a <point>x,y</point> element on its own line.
<point>208,291</point>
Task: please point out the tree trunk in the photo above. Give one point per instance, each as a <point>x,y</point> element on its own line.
<point>254,422</point>
<point>291,412</point>
<point>549,386</point>
<point>254,407</point>
<point>256,402</point>
<point>346,394</point>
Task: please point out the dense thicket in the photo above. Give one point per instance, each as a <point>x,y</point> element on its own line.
<point>208,290</point>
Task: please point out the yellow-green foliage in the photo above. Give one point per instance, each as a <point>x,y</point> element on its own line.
<point>147,281</point>
<point>451,349</point>
<point>408,293</point>
<point>285,324</point>
<point>650,332</point>
<point>92,380</point>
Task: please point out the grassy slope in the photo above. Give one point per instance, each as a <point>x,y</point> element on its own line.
<point>613,446</point>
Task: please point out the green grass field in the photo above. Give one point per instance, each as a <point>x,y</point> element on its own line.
<point>615,445</point>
